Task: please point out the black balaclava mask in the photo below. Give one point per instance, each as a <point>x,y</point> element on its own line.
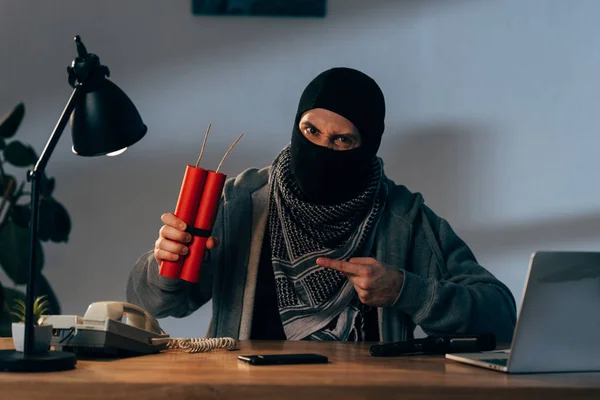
<point>327,176</point>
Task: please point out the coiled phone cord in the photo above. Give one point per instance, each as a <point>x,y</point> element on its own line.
<point>201,345</point>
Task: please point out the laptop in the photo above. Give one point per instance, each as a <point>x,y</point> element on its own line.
<point>558,328</point>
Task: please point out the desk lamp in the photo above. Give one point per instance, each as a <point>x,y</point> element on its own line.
<point>104,121</point>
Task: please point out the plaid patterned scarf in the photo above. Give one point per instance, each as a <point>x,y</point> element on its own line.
<point>317,303</point>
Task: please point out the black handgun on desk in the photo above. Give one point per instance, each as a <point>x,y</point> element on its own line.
<point>437,345</point>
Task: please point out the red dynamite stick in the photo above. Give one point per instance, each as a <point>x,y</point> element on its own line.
<point>205,219</point>
<point>186,209</point>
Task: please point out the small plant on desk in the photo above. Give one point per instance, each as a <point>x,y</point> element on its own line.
<point>42,333</point>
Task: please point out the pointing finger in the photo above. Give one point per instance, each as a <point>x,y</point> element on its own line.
<point>339,265</point>
<point>363,260</point>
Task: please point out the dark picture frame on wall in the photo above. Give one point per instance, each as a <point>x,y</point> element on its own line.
<point>271,8</point>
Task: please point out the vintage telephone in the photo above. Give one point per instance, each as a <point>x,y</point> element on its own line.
<point>112,328</point>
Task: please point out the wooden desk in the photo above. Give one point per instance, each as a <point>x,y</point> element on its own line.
<point>352,374</point>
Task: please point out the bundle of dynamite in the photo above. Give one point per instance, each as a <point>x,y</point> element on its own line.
<point>197,206</point>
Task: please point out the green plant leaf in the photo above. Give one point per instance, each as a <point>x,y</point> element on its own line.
<point>55,223</point>
<point>40,307</point>
<point>11,295</point>
<point>20,316</point>
<point>34,155</point>
<point>19,310</point>
<point>47,186</point>
<point>19,214</point>
<point>6,319</point>
<point>14,252</point>
<point>4,185</point>
<point>20,304</point>
<point>19,155</point>
<point>11,121</point>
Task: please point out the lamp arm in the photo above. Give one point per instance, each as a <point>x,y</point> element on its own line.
<point>40,166</point>
<point>34,176</point>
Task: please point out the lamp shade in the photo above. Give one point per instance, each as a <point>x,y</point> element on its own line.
<point>105,121</point>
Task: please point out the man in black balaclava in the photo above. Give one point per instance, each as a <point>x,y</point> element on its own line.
<point>328,173</point>
<point>321,245</point>
<point>326,196</point>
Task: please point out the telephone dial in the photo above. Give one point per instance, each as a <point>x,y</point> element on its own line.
<point>112,328</point>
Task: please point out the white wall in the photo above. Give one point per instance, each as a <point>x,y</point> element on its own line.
<point>492,114</point>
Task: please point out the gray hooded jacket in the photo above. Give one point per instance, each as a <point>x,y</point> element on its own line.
<point>445,290</point>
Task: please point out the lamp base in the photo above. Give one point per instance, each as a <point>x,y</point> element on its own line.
<point>15,361</point>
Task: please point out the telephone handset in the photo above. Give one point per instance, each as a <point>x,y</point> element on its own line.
<point>113,328</point>
<point>134,315</point>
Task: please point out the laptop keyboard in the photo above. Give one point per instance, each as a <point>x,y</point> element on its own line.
<point>497,361</point>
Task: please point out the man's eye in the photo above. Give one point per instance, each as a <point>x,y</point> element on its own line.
<point>343,140</point>
<point>311,130</point>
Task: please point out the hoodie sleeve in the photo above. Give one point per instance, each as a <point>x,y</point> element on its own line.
<point>466,299</point>
<point>165,297</point>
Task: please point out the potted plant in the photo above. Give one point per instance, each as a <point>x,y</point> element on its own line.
<point>42,333</point>
<point>55,223</point>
